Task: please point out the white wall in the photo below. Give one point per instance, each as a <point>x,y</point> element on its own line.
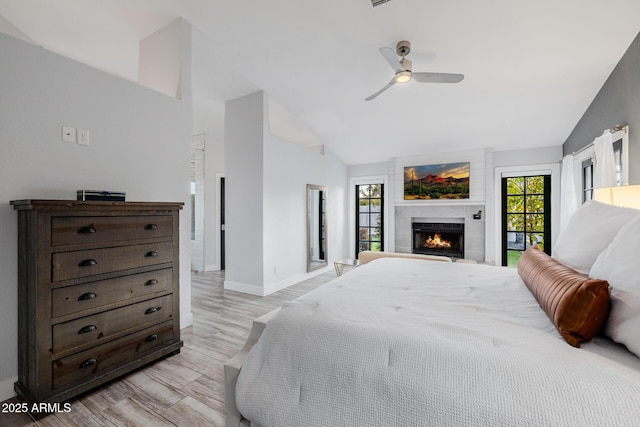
<point>139,143</point>
<point>532,156</point>
<point>266,179</point>
<point>244,148</point>
<point>208,119</point>
<point>160,62</point>
<point>288,168</point>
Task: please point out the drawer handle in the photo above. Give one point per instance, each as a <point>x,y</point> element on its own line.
<point>86,296</point>
<point>89,362</point>
<point>152,310</point>
<point>151,227</point>
<point>87,329</point>
<point>151,282</point>
<point>87,230</point>
<point>88,263</point>
<point>151,254</point>
<point>151,338</point>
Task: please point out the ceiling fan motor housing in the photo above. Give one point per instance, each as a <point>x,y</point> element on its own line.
<point>403,48</point>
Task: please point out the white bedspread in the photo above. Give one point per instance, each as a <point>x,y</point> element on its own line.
<point>400,342</point>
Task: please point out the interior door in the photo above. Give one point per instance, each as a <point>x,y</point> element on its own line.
<point>222,196</point>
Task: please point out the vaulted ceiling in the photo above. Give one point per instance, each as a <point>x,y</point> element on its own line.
<point>531,68</point>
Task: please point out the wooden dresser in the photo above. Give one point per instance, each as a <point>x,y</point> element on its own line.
<point>98,292</point>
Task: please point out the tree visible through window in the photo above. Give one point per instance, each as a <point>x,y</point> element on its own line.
<point>369,218</point>
<point>526,216</point>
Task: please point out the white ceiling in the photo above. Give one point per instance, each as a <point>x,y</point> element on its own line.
<point>531,68</point>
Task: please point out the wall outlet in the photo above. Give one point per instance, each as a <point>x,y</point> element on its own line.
<point>83,137</point>
<point>68,134</point>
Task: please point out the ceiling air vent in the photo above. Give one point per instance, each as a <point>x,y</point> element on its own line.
<point>375,3</point>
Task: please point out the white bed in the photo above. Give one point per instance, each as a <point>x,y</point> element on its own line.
<point>402,342</point>
<point>406,342</point>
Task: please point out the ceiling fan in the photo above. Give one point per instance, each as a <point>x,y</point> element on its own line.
<point>403,70</point>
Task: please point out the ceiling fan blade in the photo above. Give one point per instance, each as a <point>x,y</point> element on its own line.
<point>391,83</point>
<point>437,77</point>
<point>391,58</point>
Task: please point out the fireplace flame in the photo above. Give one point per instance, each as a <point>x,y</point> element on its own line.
<point>437,242</point>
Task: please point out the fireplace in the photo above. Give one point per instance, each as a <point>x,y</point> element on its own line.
<point>438,238</point>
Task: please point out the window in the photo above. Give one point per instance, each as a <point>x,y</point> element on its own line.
<point>617,154</point>
<point>526,216</point>
<point>586,159</point>
<point>369,217</point>
<point>587,180</point>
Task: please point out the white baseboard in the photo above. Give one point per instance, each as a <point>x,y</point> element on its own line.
<point>273,287</point>
<point>211,267</point>
<point>244,288</point>
<point>6,389</point>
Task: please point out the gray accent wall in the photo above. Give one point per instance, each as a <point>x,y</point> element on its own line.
<point>617,103</point>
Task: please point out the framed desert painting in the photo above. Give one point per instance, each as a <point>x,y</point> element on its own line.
<point>437,182</point>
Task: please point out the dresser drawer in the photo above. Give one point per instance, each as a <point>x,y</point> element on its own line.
<point>102,326</point>
<point>78,230</point>
<point>75,264</point>
<point>74,299</point>
<point>102,359</point>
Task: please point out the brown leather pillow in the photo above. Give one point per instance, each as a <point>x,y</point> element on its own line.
<point>576,304</point>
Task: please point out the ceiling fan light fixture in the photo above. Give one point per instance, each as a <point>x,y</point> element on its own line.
<point>403,76</point>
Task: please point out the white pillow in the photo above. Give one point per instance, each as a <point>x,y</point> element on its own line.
<point>618,264</point>
<point>589,231</point>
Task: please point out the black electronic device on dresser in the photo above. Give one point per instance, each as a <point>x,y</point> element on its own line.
<point>98,292</point>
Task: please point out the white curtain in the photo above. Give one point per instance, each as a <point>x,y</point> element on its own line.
<point>604,174</point>
<point>569,197</point>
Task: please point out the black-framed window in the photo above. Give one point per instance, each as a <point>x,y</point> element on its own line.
<point>587,180</point>
<point>369,218</point>
<point>526,216</point>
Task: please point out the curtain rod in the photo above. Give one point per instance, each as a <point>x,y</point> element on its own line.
<point>616,128</point>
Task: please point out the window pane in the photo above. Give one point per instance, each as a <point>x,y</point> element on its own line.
<point>515,241</point>
<point>515,204</point>
<point>375,233</point>
<point>363,233</point>
<point>588,176</point>
<point>535,184</point>
<point>369,217</point>
<point>535,204</point>
<point>513,257</point>
<point>515,185</point>
<point>535,222</point>
<point>515,222</point>
<point>535,238</point>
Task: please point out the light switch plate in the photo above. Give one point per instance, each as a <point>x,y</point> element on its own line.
<point>83,137</point>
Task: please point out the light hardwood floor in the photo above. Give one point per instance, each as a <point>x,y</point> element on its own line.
<point>186,389</point>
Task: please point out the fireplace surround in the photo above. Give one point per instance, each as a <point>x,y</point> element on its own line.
<point>474,229</point>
